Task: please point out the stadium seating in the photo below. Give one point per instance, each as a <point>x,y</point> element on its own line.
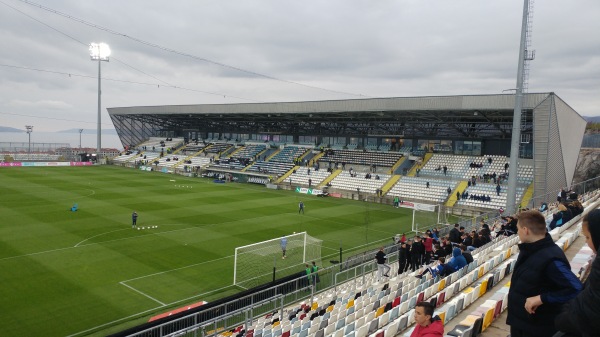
<point>156,144</point>
<point>32,156</point>
<point>346,182</point>
<point>496,202</point>
<point>416,188</point>
<point>288,154</point>
<point>270,167</point>
<point>249,151</point>
<point>459,167</point>
<point>301,176</point>
<point>366,158</point>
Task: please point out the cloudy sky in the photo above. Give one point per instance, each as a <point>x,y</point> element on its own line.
<point>220,51</point>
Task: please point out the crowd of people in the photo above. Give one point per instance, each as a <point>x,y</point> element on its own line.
<point>545,298</point>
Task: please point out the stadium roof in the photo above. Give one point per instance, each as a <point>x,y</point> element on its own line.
<point>469,116</point>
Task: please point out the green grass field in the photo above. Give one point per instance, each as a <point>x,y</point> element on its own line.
<point>85,273</point>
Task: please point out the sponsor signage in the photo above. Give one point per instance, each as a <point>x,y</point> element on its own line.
<point>310,191</point>
<point>44,164</point>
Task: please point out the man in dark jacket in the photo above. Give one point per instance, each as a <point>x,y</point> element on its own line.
<point>402,258</point>
<point>467,255</point>
<point>581,316</point>
<point>541,282</point>
<point>454,235</point>
<point>417,252</point>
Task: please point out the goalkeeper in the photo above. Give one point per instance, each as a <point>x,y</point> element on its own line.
<point>283,246</point>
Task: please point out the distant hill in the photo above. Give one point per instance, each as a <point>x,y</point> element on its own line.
<point>90,131</point>
<point>593,119</point>
<point>9,129</point>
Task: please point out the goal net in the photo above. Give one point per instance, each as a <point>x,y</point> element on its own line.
<point>254,264</point>
<point>425,216</point>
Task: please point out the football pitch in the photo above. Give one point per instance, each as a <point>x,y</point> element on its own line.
<point>88,272</point>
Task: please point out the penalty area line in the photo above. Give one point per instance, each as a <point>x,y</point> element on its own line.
<point>145,311</point>
<point>142,293</point>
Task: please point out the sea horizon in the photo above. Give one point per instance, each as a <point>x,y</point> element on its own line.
<point>108,140</point>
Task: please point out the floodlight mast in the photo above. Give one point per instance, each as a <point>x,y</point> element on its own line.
<point>29,130</point>
<point>511,198</point>
<point>99,52</point>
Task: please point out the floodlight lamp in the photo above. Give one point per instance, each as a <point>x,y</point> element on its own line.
<point>99,51</point>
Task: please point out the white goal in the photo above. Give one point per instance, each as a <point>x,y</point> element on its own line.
<point>256,264</point>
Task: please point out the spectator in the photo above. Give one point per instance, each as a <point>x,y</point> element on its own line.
<point>581,316</point>
<point>428,244</point>
<point>457,262</point>
<point>560,218</point>
<point>382,267</point>
<point>427,325</point>
<point>466,254</point>
<point>437,269</point>
<point>409,264</point>
<point>403,238</point>
<point>454,234</point>
<point>541,282</point>
<point>403,261</point>
<point>417,251</point>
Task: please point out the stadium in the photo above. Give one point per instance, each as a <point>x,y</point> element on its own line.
<point>294,218</point>
<point>217,187</point>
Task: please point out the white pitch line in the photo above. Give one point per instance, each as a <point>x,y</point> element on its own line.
<point>170,270</point>
<point>115,321</point>
<point>91,237</point>
<point>143,312</point>
<point>143,294</point>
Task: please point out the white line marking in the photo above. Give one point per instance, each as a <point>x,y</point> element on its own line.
<point>144,312</point>
<point>143,294</point>
<point>170,270</point>
<point>91,237</point>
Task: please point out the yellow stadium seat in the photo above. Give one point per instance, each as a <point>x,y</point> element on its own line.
<point>483,288</point>
<point>442,315</point>
<point>442,285</point>
<point>487,319</point>
<point>379,311</point>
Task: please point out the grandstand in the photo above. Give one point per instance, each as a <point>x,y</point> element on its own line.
<point>457,129</point>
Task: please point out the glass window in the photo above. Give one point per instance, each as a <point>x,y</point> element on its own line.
<point>476,148</point>
<point>468,148</point>
<point>458,147</point>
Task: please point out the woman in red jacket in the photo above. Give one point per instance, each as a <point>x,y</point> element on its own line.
<point>426,324</point>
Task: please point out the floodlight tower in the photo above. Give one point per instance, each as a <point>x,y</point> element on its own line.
<point>99,52</point>
<point>29,130</point>
<point>80,131</point>
<point>525,56</point>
